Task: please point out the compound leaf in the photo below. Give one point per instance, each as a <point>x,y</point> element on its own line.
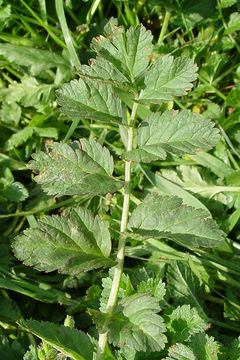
<point>75,168</point>
<point>174,132</point>
<point>165,216</point>
<point>183,322</point>
<point>128,51</point>
<point>70,342</point>
<point>90,99</point>
<point>70,244</point>
<point>168,77</point>
<point>134,322</point>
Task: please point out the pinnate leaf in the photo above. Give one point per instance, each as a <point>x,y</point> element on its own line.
<point>90,99</point>
<point>168,77</point>
<point>134,322</point>
<point>70,342</point>
<point>174,132</point>
<point>71,244</point>
<point>128,51</point>
<point>165,216</point>
<point>75,168</point>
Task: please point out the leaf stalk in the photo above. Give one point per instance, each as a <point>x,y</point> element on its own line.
<point>122,240</point>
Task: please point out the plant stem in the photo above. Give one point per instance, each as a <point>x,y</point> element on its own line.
<point>164,26</point>
<point>122,240</point>
<point>66,33</point>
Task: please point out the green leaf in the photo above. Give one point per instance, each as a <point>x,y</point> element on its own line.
<point>134,322</point>
<point>180,352</point>
<point>10,113</point>
<point>234,350</point>
<point>233,97</point>
<point>70,342</point>
<point>126,353</point>
<point>155,286</point>
<point>15,191</point>
<point>37,59</point>
<point>29,92</point>
<point>166,217</point>
<point>72,244</point>
<point>191,13</point>
<point>19,138</point>
<point>9,311</point>
<point>174,132</point>
<point>233,24</point>
<point>128,51</point>
<point>90,99</point>
<point>10,351</point>
<point>184,286</point>
<point>31,354</point>
<point>183,322</point>
<point>204,347</point>
<point>168,77</point>
<point>75,168</point>
<point>5,13</point>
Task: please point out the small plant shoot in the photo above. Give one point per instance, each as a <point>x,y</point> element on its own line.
<point>129,89</point>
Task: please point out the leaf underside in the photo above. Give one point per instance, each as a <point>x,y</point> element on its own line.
<point>174,132</point>
<point>165,216</point>
<point>75,168</point>
<point>70,244</point>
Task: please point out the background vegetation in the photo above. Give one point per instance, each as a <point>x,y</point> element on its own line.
<point>35,60</point>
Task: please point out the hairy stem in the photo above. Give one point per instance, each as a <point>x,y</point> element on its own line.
<point>122,240</point>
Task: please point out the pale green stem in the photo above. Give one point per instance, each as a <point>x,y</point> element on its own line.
<point>164,26</point>
<point>66,33</point>
<point>122,240</point>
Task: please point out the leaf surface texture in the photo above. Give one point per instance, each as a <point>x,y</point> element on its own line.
<point>71,244</point>
<point>75,168</point>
